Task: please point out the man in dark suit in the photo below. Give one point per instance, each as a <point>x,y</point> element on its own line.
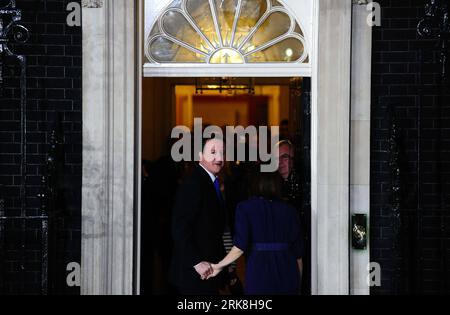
<point>198,225</point>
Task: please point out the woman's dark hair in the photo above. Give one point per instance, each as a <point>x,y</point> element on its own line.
<point>267,185</point>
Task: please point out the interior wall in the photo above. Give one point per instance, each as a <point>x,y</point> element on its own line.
<point>222,112</point>
<point>167,102</point>
<point>284,102</point>
<point>229,110</point>
<point>158,116</point>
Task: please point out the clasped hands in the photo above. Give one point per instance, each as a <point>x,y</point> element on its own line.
<point>207,270</point>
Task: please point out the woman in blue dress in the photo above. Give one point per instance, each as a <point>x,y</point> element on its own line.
<point>267,230</point>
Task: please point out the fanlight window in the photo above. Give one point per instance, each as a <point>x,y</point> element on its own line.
<point>226,32</point>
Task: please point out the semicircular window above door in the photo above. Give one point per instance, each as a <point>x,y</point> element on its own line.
<point>226,32</point>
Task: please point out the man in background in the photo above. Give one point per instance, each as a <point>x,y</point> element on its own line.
<point>292,193</point>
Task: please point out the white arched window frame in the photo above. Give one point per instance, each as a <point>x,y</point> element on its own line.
<point>300,13</point>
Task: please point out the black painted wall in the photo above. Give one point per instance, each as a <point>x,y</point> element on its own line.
<point>406,78</point>
<point>54,92</point>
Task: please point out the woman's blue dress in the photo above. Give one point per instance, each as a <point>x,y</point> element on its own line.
<point>269,234</point>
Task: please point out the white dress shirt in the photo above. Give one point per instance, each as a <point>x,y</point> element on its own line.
<point>213,177</point>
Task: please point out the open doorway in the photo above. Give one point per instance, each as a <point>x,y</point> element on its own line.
<point>171,102</point>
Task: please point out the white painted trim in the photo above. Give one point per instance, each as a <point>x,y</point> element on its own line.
<point>314,151</point>
<point>331,156</point>
<point>205,70</point>
<point>108,148</point>
<point>302,9</point>
<point>360,140</point>
<point>138,138</point>
<point>299,11</point>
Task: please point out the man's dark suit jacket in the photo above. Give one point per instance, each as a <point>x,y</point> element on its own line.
<point>197,229</point>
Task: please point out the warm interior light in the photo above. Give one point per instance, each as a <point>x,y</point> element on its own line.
<point>289,52</point>
<point>226,56</point>
<point>239,32</point>
<point>232,86</point>
<point>250,48</point>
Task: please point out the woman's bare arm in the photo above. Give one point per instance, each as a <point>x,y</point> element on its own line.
<point>232,256</point>
<point>300,266</point>
<point>300,269</point>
